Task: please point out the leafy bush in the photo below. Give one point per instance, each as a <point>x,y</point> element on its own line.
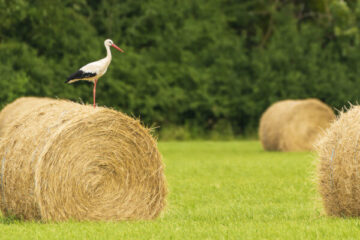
<point>210,68</point>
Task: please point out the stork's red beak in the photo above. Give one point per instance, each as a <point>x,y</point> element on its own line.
<point>113,45</point>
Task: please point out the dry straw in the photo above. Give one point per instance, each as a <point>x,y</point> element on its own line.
<point>64,160</point>
<point>294,125</point>
<point>10,113</point>
<point>339,165</point>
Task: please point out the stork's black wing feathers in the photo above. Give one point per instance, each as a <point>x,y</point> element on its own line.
<point>79,75</point>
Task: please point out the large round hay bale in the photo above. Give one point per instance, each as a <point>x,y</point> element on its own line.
<point>65,160</point>
<point>21,106</point>
<point>339,165</point>
<point>294,125</point>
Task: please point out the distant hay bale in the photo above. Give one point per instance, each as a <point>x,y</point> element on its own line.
<point>339,165</point>
<point>294,125</point>
<point>65,160</point>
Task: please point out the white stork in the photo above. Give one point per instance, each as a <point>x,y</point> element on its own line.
<point>93,71</point>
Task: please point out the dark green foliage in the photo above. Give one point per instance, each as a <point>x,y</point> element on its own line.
<point>195,66</point>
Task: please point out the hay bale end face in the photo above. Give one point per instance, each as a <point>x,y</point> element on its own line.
<point>294,125</point>
<point>338,171</point>
<point>64,160</point>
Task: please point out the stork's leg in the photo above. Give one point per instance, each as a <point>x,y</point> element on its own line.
<point>94,92</point>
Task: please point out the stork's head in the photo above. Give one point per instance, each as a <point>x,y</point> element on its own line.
<point>110,43</point>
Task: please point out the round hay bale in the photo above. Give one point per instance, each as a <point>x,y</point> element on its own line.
<point>338,169</point>
<point>71,161</point>
<point>21,106</point>
<point>294,125</point>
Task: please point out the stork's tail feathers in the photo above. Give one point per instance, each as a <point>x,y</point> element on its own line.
<point>79,75</point>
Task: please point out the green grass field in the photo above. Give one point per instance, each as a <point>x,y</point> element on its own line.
<point>218,190</point>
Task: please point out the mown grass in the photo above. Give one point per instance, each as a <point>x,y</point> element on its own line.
<point>218,190</point>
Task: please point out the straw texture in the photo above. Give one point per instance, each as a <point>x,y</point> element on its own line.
<point>20,107</point>
<point>339,165</point>
<point>63,160</point>
<point>294,125</point>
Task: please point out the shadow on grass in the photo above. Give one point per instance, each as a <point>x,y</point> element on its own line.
<point>9,220</point>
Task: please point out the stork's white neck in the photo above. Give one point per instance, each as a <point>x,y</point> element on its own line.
<point>108,55</point>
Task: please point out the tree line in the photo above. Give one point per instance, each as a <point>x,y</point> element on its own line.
<point>199,67</point>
